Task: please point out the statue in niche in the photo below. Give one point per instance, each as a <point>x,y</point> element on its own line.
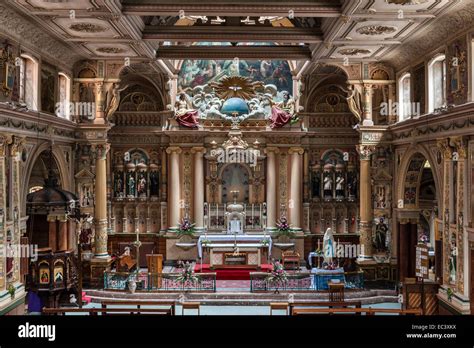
<point>142,185</point>
<point>86,196</point>
<point>352,185</point>
<point>354,101</point>
<point>316,185</point>
<point>380,198</point>
<point>185,115</point>
<point>131,185</point>
<point>380,240</point>
<point>340,186</point>
<point>118,187</point>
<point>154,185</point>
<point>328,186</point>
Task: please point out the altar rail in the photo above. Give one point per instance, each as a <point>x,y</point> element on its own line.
<point>206,282</point>
<point>215,219</point>
<point>301,282</point>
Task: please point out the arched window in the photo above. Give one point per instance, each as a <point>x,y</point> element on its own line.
<point>29,81</point>
<point>404,97</point>
<point>437,82</point>
<point>63,107</point>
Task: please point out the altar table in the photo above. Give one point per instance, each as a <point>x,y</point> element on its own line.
<point>228,240</point>
<point>321,277</point>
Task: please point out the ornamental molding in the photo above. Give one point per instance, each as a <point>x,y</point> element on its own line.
<point>20,29</point>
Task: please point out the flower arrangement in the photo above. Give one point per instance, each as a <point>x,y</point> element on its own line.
<point>294,119</point>
<point>186,228</point>
<point>423,239</point>
<point>187,276</point>
<point>283,228</point>
<point>278,276</point>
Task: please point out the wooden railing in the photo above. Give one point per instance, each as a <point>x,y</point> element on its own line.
<point>345,304</point>
<point>355,311</point>
<point>108,311</point>
<point>139,304</point>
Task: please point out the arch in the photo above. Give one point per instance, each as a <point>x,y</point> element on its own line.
<point>403,95</point>
<point>432,105</point>
<point>407,159</point>
<point>249,184</point>
<point>64,173</point>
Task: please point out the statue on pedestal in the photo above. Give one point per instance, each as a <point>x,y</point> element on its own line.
<point>340,186</point>
<point>328,186</point>
<point>131,185</point>
<point>328,247</point>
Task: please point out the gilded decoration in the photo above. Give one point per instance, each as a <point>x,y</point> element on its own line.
<point>87,28</point>
<point>354,52</point>
<point>376,30</point>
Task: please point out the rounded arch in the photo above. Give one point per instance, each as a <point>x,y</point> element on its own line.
<point>415,153</point>
<point>65,179</point>
<point>248,185</point>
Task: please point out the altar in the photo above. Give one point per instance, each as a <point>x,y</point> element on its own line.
<point>235,251</point>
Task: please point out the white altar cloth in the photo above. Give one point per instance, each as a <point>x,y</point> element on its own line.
<point>228,240</point>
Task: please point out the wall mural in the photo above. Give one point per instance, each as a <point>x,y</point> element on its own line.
<point>457,74</point>
<point>201,72</point>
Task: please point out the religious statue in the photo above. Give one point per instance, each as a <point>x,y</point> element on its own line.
<point>328,247</point>
<point>154,189</point>
<point>315,185</point>
<point>352,185</point>
<point>340,186</point>
<point>452,261</point>
<point>380,240</point>
<point>354,101</point>
<point>142,185</point>
<point>328,186</point>
<point>118,185</point>
<point>184,114</point>
<point>283,111</point>
<point>131,186</point>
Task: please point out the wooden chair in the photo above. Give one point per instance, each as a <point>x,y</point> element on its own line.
<point>191,305</point>
<point>336,291</point>
<point>279,306</point>
<point>290,256</point>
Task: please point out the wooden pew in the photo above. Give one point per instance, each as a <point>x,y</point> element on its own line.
<point>138,304</point>
<point>355,311</point>
<point>341,304</point>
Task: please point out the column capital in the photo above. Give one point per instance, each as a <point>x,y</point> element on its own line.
<point>198,149</point>
<point>16,145</point>
<point>271,149</point>
<point>173,149</point>
<point>296,150</point>
<point>443,146</point>
<point>99,151</point>
<point>365,151</point>
<point>460,146</point>
<point>5,140</point>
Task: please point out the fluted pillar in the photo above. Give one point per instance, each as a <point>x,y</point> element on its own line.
<point>368,121</point>
<point>366,209</point>
<point>198,187</point>
<point>100,208</point>
<point>174,194</point>
<point>296,188</point>
<point>271,187</point>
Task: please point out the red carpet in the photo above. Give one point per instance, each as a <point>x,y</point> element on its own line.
<point>231,273</point>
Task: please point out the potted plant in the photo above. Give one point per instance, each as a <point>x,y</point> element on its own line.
<point>284,234</point>
<point>11,291</point>
<point>450,293</point>
<point>277,277</point>
<point>185,234</point>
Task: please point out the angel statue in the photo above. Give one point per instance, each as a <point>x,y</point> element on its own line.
<point>354,101</point>
<point>184,114</point>
<point>283,111</point>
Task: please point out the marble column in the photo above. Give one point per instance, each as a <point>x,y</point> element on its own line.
<point>100,208</point>
<point>198,187</point>
<point>296,187</point>
<point>271,188</point>
<point>367,115</point>
<point>366,204</point>
<point>174,194</point>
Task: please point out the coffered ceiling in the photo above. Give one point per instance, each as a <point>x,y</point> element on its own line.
<point>167,31</point>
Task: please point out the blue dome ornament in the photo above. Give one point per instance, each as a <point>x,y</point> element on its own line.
<point>235,107</point>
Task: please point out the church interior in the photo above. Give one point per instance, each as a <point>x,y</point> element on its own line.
<point>237,157</point>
